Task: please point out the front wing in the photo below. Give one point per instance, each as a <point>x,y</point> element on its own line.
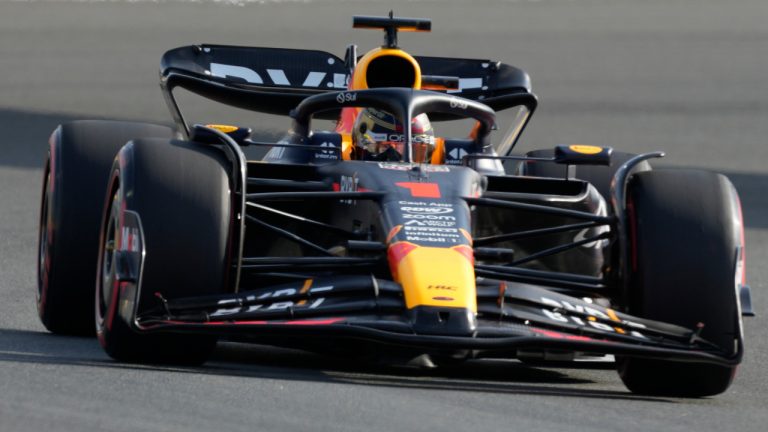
<point>510,317</point>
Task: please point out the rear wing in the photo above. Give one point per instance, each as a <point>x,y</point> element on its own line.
<point>276,80</point>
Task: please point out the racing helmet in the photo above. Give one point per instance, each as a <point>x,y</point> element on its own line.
<point>378,136</point>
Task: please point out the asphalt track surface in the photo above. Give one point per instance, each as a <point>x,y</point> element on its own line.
<point>688,77</point>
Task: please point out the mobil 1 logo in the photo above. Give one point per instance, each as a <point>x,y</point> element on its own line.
<point>432,234</point>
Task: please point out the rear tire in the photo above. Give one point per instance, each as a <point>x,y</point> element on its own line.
<point>180,191</point>
<point>688,234</point>
<point>75,179</point>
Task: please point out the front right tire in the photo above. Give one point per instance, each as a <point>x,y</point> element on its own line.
<point>181,194</point>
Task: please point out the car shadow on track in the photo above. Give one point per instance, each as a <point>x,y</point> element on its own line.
<point>256,361</point>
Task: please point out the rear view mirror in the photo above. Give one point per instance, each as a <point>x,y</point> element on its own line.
<point>579,154</point>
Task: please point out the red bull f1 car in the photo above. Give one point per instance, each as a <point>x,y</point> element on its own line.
<point>386,236</point>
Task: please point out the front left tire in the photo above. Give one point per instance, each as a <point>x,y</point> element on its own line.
<point>686,258</point>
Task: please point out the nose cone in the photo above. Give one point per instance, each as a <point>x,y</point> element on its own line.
<point>432,320</point>
<point>439,286</point>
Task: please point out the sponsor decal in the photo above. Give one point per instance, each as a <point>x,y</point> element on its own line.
<point>426,210</point>
<point>278,76</point>
<point>408,167</point>
<point>432,223</point>
<point>429,217</point>
<point>415,222</point>
<point>560,313</point>
<point>430,239</point>
<point>468,83</point>
<point>395,166</point>
<point>327,154</point>
<point>283,305</point>
<point>268,303</point>
<point>348,184</point>
<point>425,203</point>
<point>456,154</point>
<point>429,222</point>
<point>421,190</point>
<point>344,97</point>
<point>398,138</point>
<point>442,287</point>
<point>443,231</point>
<point>432,234</point>
<point>130,241</point>
<point>458,103</point>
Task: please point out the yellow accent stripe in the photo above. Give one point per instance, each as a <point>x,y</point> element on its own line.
<point>346,146</point>
<point>612,314</point>
<point>223,128</point>
<point>438,156</point>
<point>585,149</point>
<point>304,289</point>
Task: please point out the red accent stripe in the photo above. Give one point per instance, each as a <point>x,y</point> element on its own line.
<point>396,253</point>
<point>743,245</point>
<point>306,322</point>
<point>558,335</point>
<point>229,322</point>
<point>421,190</point>
<point>393,232</point>
<point>467,252</point>
<point>315,322</point>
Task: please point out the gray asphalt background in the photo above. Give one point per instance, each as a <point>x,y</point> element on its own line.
<point>688,77</point>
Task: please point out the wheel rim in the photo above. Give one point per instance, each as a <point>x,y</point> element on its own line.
<point>106,278</point>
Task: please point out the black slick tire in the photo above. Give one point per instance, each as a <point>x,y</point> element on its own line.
<point>686,233</point>
<point>180,192</point>
<point>75,179</point>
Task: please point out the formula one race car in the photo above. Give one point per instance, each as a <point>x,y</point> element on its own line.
<point>384,236</point>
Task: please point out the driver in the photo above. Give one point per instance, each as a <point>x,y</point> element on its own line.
<point>378,136</point>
